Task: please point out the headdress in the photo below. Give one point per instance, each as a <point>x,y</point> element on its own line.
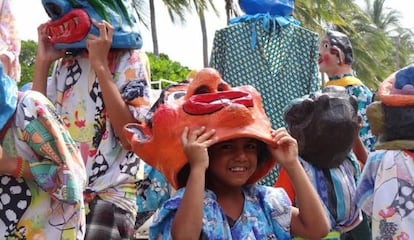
<point>71,22</point>
<point>392,118</point>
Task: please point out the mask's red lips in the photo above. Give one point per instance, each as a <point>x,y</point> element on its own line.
<point>320,60</point>
<point>72,27</point>
<point>208,103</point>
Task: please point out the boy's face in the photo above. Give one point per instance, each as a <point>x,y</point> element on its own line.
<point>330,56</point>
<point>233,162</point>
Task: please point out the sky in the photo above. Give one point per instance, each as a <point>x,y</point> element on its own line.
<point>182,43</point>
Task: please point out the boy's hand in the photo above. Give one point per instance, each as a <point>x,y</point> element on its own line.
<point>45,50</point>
<point>195,144</point>
<point>286,150</point>
<point>99,46</point>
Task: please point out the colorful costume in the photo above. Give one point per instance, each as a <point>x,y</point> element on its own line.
<point>233,112</point>
<point>268,49</point>
<point>325,125</point>
<point>337,44</point>
<point>385,191</point>
<point>9,41</point>
<point>51,206</point>
<point>76,91</point>
<point>90,127</point>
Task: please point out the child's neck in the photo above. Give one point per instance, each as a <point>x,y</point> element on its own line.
<point>232,204</point>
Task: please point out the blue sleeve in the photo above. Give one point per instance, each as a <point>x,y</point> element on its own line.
<point>163,218</point>
<point>366,185</point>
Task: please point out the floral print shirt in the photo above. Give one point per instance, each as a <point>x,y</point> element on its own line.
<point>266,215</point>
<point>50,206</point>
<point>386,193</point>
<point>9,41</point>
<point>75,90</point>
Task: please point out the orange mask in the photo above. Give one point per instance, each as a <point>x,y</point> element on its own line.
<point>205,101</point>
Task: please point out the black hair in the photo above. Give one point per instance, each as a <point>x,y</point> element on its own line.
<point>262,155</point>
<point>342,42</point>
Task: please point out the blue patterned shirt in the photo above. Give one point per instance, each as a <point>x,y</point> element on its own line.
<point>266,215</point>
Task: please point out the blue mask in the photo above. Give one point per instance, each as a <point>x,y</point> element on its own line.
<point>71,22</point>
<point>272,7</point>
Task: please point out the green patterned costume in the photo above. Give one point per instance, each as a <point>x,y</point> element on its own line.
<point>273,54</point>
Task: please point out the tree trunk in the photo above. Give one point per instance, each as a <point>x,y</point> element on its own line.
<point>204,34</point>
<point>153,29</point>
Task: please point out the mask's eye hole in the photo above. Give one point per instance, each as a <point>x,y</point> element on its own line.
<point>172,97</point>
<point>223,87</point>
<point>202,89</point>
<point>326,45</point>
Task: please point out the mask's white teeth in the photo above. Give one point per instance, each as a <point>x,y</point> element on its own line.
<point>222,100</point>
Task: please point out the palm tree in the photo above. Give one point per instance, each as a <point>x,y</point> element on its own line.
<point>371,44</point>
<point>176,9</point>
<point>200,7</point>
<point>386,21</point>
<point>232,10</point>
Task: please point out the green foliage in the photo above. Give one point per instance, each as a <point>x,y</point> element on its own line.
<point>164,68</point>
<point>27,60</point>
<point>161,67</point>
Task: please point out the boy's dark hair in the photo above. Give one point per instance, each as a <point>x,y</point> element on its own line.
<point>262,151</point>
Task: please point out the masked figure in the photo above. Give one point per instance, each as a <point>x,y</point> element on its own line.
<point>385,192</point>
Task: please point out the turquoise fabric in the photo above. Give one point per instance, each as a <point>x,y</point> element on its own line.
<point>282,65</point>
<point>8,97</point>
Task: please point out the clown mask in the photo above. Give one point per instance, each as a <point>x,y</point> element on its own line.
<point>334,50</point>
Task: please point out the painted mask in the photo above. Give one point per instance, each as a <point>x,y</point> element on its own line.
<point>325,126</point>
<point>272,7</point>
<point>204,101</point>
<point>392,117</point>
<point>71,22</point>
<point>334,49</point>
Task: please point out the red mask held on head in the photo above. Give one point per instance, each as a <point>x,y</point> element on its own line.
<point>205,101</point>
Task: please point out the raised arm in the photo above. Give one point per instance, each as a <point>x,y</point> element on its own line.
<point>117,109</point>
<point>308,219</point>
<point>46,54</point>
<point>187,223</point>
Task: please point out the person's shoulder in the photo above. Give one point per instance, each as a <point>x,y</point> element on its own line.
<point>33,96</point>
<point>262,191</point>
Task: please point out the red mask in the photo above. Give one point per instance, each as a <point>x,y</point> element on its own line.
<point>205,101</point>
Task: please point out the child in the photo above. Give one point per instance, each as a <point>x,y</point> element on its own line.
<point>385,191</point>
<point>325,126</point>
<point>42,175</point>
<point>226,146</point>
